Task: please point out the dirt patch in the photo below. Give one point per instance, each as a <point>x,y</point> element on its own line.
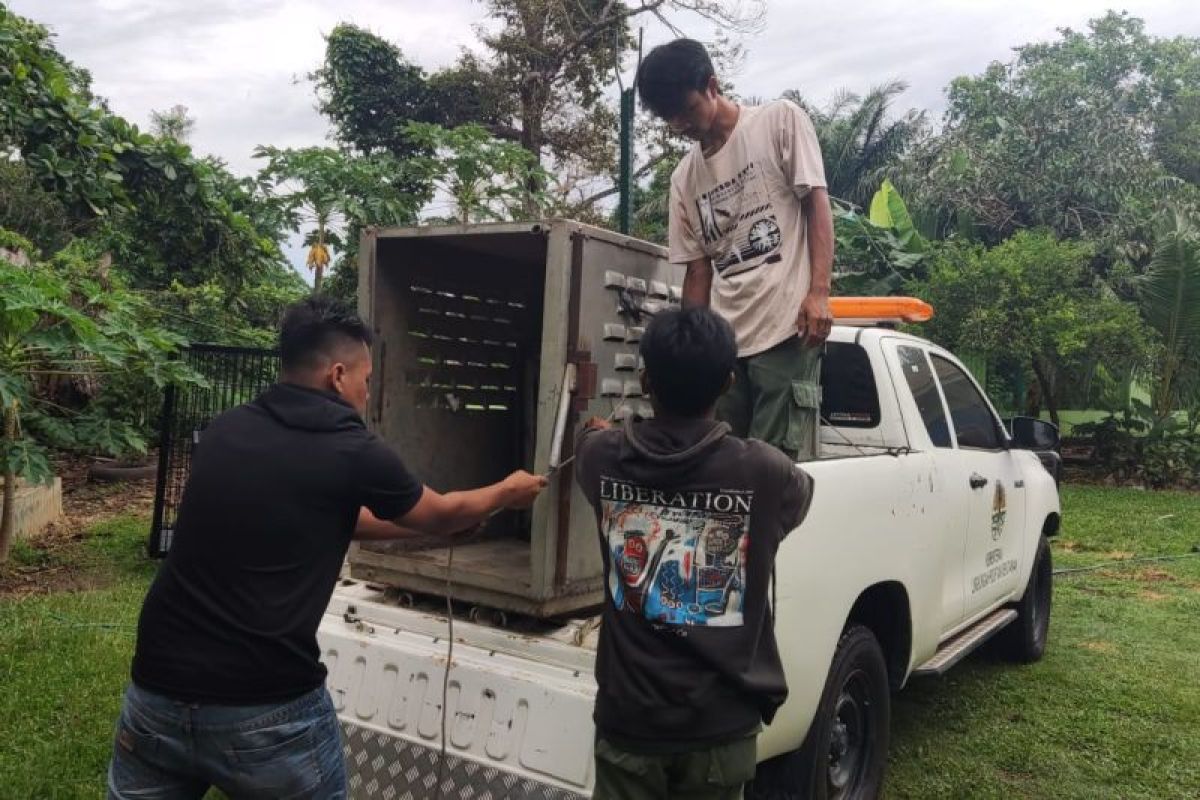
<point>1119,555</point>
<point>1099,646</point>
<point>55,559</point>
<point>1152,575</point>
<point>52,580</point>
<point>1151,596</point>
<point>1141,575</point>
<point>1069,546</point>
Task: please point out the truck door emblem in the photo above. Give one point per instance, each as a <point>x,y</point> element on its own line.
<point>999,511</point>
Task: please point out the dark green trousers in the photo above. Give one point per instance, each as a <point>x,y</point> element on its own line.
<point>776,397</point>
<point>715,773</point>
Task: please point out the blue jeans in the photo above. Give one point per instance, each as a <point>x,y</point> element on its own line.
<point>168,749</point>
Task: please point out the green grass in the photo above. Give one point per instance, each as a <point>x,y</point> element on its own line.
<point>1113,711</point>
<point>64,659</point>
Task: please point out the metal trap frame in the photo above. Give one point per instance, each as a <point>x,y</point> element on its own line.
<point>479,332</point>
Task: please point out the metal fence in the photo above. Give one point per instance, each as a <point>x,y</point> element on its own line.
<point>235,375</point>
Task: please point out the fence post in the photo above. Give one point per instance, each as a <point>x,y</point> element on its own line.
<point>154,547</point>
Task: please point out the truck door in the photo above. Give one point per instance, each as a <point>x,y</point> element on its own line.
<point>948,508</point>
<point>992,478</point>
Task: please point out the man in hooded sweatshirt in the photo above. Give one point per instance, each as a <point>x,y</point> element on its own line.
<point>690,519</point>
<point>227,688</point>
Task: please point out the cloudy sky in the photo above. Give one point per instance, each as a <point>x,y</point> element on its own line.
<point>239,65</point>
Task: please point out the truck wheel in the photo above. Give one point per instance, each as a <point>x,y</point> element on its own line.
<point>1024,640</point>
<point>845,751</point>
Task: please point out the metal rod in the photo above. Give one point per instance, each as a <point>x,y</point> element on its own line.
<point>564,411</point>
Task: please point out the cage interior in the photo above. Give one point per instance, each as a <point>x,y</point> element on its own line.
<point>460,322</point>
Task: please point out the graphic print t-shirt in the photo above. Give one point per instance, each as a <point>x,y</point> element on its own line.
<point>689,520</point>
<point>741,207</point>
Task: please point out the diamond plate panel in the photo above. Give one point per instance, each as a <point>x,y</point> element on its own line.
<point>392,768</point>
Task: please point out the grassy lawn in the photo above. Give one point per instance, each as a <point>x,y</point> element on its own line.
<point>64,659</point>
<point>1113,711</point>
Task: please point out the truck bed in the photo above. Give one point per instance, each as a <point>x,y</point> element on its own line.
<point>519,703</point>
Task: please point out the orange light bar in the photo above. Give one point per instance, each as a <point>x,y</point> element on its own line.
<point>868,310</point>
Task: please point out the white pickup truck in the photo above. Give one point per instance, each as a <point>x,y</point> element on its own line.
<point>927,534</point>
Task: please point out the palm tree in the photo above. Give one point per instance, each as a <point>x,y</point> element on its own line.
<point>1169,295</point>
<point>860,143</point>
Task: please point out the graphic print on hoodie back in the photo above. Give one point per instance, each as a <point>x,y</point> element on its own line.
<point>689,520</point>
<point>679,557</point>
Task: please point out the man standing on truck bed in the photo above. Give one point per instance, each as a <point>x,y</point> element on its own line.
<point>227,687</point>
<point>750,216</point>
<point>690,518</point>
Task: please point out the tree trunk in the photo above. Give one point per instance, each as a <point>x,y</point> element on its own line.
<point>1048,389</point>
<point>10,486</point>
<point>1163,397</point>
<point>319,268</point>
<point>534,97</point>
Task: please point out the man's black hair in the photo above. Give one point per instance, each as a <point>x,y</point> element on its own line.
<point>313,330</point>
<point>689,355</point>
<point>669,72</point>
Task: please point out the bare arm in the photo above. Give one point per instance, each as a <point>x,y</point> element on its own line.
<point>697,283</point>
<point>815,319</point>
<point>456,511</point>
<point>370,526</point>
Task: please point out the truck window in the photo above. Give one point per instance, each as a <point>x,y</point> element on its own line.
<point>974,423</point>
<point>924,389</point>
<point>849,397</point>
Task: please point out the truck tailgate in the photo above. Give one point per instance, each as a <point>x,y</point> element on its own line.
<point>519,721</point>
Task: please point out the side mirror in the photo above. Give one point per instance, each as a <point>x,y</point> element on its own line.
<point>1029,433</point>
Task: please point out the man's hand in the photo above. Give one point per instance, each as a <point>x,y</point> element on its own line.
<point>815,320</point>
<point>597,424</point>
<point>520,489</point>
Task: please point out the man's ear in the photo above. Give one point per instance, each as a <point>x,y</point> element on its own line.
<point>714,86</point>
<point>337,374</point>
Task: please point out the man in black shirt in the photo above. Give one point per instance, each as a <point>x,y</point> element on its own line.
<point>227,688</point>
<point>690,518</point>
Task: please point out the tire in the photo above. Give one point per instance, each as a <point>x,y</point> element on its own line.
<point>845,752</point>
<point>1024,640</point>
<point>108,471</point>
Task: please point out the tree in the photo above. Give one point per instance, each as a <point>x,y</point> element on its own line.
<point>370,92</point>
<point>325,192</point>
<point>1033,296</point>
<point>877,254</point>
<point>860,144</point>
<point>29,209</point>
<point>485,177</point>
<point>541,84</point>
<point>49,116</point>
<point>174,123</point>
<point>56,325</point>
<point>652,202</point>
<point>1063,137</point>
<point>1169,296</point>
<point>192,222</point>
<point>164,213</point>
<point>1177,134</point>
<point>556,58</point>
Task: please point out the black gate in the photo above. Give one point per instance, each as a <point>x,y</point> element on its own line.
<point>235,375</point>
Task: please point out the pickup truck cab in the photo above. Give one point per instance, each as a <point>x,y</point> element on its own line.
<point>927,536</point>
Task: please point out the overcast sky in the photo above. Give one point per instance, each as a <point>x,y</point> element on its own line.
<point>239,65</point>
